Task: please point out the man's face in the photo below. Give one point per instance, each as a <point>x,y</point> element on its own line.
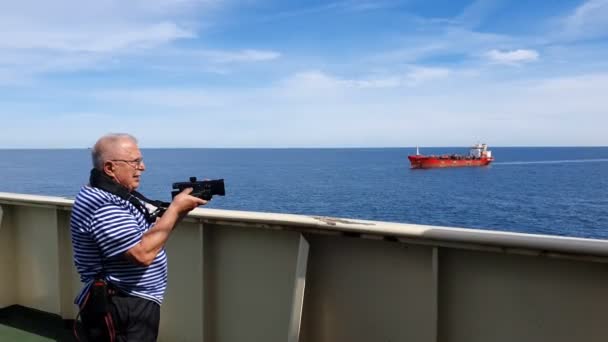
<point>125,164</point>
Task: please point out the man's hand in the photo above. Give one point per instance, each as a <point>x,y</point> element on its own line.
<point>183,203</point>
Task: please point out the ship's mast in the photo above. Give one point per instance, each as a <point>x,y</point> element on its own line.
<point>417,152</point>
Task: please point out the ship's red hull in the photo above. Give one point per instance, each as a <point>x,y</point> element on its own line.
<point>426,162</point>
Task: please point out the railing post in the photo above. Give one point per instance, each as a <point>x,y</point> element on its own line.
<point>298,291</point>
<point>8,262</point>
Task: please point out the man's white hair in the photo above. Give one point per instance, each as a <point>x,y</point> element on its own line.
<point>99,151</point>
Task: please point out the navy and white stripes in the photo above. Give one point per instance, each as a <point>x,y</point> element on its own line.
<point>104,227</point>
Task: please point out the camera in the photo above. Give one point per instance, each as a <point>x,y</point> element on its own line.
<point>202,189</point>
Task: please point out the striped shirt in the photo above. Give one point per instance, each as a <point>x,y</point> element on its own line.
<point>104,227</point>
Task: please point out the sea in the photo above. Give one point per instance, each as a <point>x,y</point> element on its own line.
<point>540,190</point>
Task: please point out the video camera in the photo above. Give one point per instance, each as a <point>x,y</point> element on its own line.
<point>201,189</point>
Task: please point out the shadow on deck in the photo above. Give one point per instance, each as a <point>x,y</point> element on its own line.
<point>18,323</point>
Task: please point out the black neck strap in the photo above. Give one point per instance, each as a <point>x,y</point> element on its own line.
<point>104,182</point>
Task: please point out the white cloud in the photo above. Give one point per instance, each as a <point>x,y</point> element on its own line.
<point>71,35</point>
<point>337,6</point>
<point>193,99</point>
<point>386,82</point>
<point>103,40</point>
<point>313,108</point>
<point>318,81</point>
<point>424,74</point>
<point>20,68</point>
<point>313,79</point>
<point>222,57</point>
<point>141,37</point>
<point>589,20</point>
<point>477,12</point>
<point>513,57</point>
<point>441,39</point>
<point>101,26</point>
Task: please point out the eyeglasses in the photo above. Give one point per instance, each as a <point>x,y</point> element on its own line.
<point>135,163</point>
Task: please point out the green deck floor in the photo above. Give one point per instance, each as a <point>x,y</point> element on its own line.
<point>12,334</point>
<point>21,324</point>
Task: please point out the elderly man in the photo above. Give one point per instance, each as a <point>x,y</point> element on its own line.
<point>119,246</point>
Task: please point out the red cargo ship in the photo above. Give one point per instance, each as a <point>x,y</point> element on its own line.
<point>479,155</point>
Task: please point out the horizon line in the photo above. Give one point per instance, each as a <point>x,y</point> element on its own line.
<point>309,147</point>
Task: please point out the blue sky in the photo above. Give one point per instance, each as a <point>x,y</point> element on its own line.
<point>255,73</point>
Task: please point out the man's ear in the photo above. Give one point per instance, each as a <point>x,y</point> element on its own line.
<point>108,168</point>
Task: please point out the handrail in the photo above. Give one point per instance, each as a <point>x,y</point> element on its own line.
<point>509,242</point>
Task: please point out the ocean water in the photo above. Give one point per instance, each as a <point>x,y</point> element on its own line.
<point>554,190</point>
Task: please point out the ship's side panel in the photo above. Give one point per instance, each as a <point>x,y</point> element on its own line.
<point>505,298</point>
<point>246,276</point>
<point>360,290</point>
